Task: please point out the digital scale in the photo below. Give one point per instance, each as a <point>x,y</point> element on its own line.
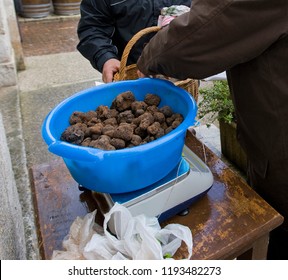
<point>172,195</point>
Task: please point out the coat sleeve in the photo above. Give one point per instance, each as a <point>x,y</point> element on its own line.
<point>95,30</point>
<point>213,37</point>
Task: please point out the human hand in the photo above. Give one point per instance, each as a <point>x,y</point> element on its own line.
<point>110,67</point>
<point>140,74</point>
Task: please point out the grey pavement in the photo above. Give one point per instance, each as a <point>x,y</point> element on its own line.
<point>55,77</point>
<point>47,80</point>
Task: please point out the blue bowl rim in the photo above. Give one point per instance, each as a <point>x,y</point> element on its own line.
<point>56,146</point>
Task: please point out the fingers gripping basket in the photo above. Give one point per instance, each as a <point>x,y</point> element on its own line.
<point>130,72</point>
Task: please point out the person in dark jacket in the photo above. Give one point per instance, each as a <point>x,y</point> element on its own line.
<point>249,39</point>
<point>106,26</point>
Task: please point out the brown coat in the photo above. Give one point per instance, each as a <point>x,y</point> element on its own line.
<point>247,38</point>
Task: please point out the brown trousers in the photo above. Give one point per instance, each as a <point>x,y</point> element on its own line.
<point>272,185</point>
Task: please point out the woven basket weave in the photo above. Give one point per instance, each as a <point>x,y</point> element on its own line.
<point>130,72</point>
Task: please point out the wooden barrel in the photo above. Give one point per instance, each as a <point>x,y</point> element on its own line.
<point>35,8</point>
<point>66,7</point>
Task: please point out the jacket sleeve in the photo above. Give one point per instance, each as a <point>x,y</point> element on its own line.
<point>95,30</point>
<point>213,37</point>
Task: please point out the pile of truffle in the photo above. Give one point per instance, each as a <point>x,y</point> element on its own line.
<point>127,123</point>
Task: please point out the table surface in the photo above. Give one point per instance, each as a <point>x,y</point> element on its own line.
<point>225,223</point>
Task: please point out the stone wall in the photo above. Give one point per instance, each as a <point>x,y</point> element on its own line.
<point>14,32</point>
<point>8,61</point>
<point>12,240</point>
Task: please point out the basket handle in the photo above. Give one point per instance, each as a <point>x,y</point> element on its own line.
<point>129,46</point>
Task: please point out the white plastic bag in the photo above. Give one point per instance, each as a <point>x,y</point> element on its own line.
<point>134,238</point>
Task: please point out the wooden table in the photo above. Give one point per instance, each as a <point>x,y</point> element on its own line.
<point>230,221</point>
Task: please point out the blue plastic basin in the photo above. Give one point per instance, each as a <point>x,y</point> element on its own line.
<point>127,169</point>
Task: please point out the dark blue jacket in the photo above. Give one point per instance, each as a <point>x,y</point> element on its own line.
<point>106,26</point>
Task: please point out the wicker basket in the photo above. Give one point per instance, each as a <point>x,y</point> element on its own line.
<point>130,72</point>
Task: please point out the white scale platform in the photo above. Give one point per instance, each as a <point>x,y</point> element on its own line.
<point>183,186</point>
